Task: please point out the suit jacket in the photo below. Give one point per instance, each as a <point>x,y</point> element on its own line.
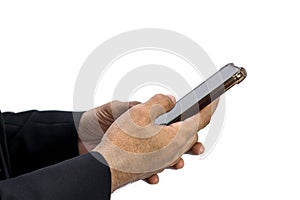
<point>39,159</point>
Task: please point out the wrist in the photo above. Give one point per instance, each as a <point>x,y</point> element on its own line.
<point>118,178</point>
<point>89,132</point>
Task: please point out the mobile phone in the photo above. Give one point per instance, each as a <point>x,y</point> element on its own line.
<point>204,94</point>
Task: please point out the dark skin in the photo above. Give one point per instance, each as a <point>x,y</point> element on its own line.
<point>106,115</point>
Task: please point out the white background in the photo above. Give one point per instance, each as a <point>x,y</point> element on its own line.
<point>43,45</point>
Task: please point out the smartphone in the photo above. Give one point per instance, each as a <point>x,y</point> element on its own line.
<point>204,94</point>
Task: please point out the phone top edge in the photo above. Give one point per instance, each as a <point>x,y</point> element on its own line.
<point>241,75</point>
<point>213,87</point>
<point>237,73</point>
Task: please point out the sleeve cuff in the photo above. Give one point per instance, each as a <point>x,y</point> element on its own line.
<point>83,177</point>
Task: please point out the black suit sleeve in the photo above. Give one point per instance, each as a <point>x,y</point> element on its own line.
<point>83,177</point>
<point>36,139</point>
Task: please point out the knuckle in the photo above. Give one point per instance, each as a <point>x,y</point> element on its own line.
<point>158,97</point>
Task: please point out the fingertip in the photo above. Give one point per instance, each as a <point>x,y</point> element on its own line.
<point>172,98</point>
<point>197,149</point>
<point>179,164</point>
<point>154,179</point>
<point>159,104</point>
<point>202,149</point>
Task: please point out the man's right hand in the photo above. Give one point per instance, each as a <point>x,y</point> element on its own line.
<point>135,148</point>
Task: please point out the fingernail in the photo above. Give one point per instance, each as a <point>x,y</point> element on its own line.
<point>201,149</point>
<point>172,98</point>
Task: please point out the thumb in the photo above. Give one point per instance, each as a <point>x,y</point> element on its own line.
<point>160,104</point>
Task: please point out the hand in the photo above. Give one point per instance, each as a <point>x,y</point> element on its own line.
<point>136,148</point>
<point>95,122</point>
<point>196,149</point>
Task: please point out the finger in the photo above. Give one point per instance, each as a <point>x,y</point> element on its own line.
<point>178,165</point>
<point>172,98</point>
<point>203,118</point>
<point>154,179</point>
<point>160,104</point>
<point>211,108</point>
<point>186,130</point>
<point>197,149</point>
<point>194,141</point>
